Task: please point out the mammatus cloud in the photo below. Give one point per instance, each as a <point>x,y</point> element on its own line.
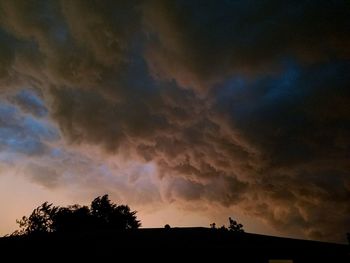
<point>241,105</point>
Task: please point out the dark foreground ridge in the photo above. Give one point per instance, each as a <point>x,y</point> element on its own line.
<point>176,243</point>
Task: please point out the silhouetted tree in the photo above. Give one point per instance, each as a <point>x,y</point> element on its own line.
<point>234,226</point>
<point>72,218</point>
<point>167,226</point>
<point>109,215</point>
<point>102,215</point>
<point>213,226</point>
<point>40,220</point>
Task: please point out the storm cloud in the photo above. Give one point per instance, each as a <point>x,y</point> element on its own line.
<point>237,104</point>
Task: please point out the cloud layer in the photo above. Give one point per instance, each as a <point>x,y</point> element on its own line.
<point>242,104</point>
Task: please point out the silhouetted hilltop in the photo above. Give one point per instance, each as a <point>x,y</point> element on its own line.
<point>201,242</point>
<point>105,230</point>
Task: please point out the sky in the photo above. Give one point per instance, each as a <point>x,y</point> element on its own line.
<point>187,111</point>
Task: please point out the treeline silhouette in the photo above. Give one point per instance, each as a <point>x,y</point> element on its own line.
<point>102,215</point>
<point>105,230</point>
<point>233,226</point>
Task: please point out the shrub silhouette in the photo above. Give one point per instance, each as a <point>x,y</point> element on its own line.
<point>234,226</point>
<point>101,215</point>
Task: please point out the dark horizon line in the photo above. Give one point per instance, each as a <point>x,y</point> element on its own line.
<point>197,228</point>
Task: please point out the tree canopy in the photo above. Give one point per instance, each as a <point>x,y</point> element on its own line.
<point>101,215</point>
<point>234,226</point>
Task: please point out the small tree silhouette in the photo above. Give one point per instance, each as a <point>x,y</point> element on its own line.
<point>102,215</point>
<point>234,226</point>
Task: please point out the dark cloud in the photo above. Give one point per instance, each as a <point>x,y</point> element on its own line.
<point>296,116</point>
<point>6,54</point>
<point>240,104</point>
<point>298,120</point>
<point>202,42</point>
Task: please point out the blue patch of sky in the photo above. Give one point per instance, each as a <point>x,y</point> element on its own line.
<point>30,102</point>
<point>24,133</point>
<point>41,128</point>
<point>27,146</point>
<point>56,152</point>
